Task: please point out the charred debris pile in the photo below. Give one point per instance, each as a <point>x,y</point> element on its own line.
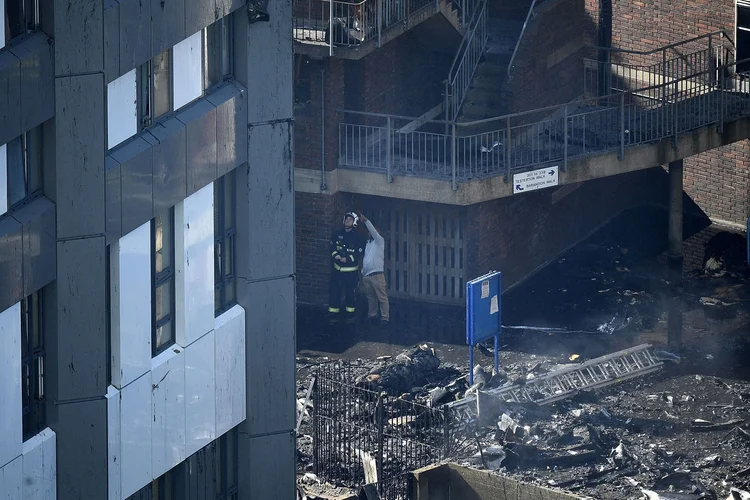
<point>665,434</point>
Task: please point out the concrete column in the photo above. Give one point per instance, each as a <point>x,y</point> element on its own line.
<point>674,257</point>
<point>77,353</point>
<point>265,252</point>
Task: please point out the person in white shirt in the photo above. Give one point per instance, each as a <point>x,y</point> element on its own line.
<point>373,279</point>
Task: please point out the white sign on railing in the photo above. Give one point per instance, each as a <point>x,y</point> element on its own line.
<point>535,179</point>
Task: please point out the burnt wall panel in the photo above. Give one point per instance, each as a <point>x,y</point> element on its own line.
<point>267,460</point>
<point>79,144</point>
<point>199,14</point>
<point>224,7</point>
<point>168,152</point>
<point>168,24</point>
<point>200,125</point>
<point>10,96</point>
<point>111,39</point>
<point>114,200</point>
<point>231,137</point>
<point>136,174</point>
<point>11,262</point>
<point>37,80</point>
<point>80,50</point>
<point>135,33</point>
<point>39,264</point>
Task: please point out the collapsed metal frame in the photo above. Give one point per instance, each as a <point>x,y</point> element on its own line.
<point>362,436</point>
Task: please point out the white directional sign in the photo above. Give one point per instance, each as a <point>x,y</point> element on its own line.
<point>536,179</point>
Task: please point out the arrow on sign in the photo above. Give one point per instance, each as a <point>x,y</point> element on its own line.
<point>551,172</point>
<point>518,187</point>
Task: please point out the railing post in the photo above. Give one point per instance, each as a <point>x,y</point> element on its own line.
<point>389,147</point>
<point>448,115</point>
<point>379,458</point>
<point>507,150</point>
<point>446,432</point>
<point>565,146</point>
<point>453,156</point>
<point>330,28</point>
<point>621,155</point>
<point>721,100</point>
<point>315,436</point>
<point>711,66</point>
<point>380,19</point>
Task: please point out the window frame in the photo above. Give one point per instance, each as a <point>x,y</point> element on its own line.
<point>226,444</point>
<point>145,91</point>
<point>28,26</point>
<point>33,367</point>
<point>158,279</point>
<point>31,165</point>
<point>225,52</point>
<point>225,237</point>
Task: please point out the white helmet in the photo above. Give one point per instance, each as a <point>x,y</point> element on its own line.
<point>353,216</point>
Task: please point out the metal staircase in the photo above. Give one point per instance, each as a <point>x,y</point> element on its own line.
<point>593,374</point>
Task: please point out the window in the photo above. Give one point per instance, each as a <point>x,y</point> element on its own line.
<point>154,89</point>
<point>226,466</point>
<point>225,292</point>
<point>20,17</point>
<point>217,52</point>
<point>162,242</point>
<point>32,365</point>
<point>24,167</point>
<point>743,35</point>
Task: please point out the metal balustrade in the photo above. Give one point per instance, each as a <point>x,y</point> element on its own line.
<point>690,94</point>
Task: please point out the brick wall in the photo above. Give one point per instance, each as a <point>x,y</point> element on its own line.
<point>519,234</point>
<point>548,68</point>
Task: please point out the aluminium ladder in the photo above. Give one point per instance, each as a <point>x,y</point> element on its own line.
<point>593,374</point>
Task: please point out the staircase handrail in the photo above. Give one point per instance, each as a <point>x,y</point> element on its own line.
<point>520,37</point>
<point>463,56</point>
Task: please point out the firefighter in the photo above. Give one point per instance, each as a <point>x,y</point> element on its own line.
<point>347,249</point>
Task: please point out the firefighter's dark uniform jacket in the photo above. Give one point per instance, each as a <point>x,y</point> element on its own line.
<point>344,275</point>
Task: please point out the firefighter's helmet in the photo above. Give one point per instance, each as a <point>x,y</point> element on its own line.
<point>353,216</point>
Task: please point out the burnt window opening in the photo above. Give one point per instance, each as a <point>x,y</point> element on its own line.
<point>163,278</point>
<point>20,17</point>
<point>225,229</point>
<point>154,89</point>
<point>32,365</point>
<point>217,52</point>
<point>165,487</point>
<point>303,72</point>
<point>24,167</point>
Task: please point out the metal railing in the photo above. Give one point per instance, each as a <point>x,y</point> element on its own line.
<point>360,435</point>
<point>689,99</point>
<point>466,61</point>
<point>350,23</point>
<point>529,16</point>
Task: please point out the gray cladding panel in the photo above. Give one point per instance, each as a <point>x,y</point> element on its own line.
<point>168,22</point>
<point>39,264</point>
<point>135,33</point>
<point>78,47</point>
<point>81,448</point>
<point>200,125</point>
<point>111,39</point>
<point>225,7</point>
<point>169,148</point>
<point>271,200</point>
<point>10,96</point>
<point>136,173</point>
<point>79,143</point>
<point>270,352</point>
<point>37,80</point>
<point>11,262</point>
<point>114,200</point>
<point>199,14</point>
<point>231,135</point>
<point>81,327</point>
<point>268,466</point>
<point>269,71</point>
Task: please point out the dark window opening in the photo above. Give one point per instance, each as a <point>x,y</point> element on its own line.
<point>163,488</point>
<point>217,52</point>
<point>743,36</point>
<point>32,365</point>
<point>154,87</point>
<point>20,17</point>
<point>225,228</point>
<point>108,311</point>
<point>162,243</point>
<point>24,155</point>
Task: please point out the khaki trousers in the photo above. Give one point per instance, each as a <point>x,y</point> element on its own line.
<point>375,290</point>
